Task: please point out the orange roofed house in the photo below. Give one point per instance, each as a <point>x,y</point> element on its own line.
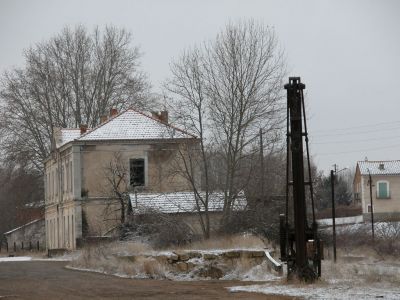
<point>76,186</point>
<point>385,177</point>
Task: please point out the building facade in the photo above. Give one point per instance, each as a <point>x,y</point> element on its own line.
<point>85,163</point>
<point>385,192</point>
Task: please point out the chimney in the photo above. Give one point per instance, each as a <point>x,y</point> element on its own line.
<point>164,116</point>
<point>83,128</point>
<point>161,116</point>
<point>103,119</point>
<point>155,115</point>
<point>113,112</point>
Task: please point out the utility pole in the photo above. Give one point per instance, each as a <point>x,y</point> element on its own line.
<point>372,207</point>
<point>262,164</point>
<point>333,213</point>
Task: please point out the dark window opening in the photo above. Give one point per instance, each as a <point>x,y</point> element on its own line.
<point>137,172</point>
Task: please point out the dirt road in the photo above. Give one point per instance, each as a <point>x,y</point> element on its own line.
<point>50,280</point>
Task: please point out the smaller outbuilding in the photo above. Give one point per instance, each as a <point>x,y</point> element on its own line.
<point>185,206</point>
<point>28,236</point>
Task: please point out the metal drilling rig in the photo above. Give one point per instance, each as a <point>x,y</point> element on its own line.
<point>300,246</point>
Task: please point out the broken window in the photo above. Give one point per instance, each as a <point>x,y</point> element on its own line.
<point>137,176</point>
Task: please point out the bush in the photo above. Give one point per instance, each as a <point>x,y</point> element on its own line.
<point>387,240</point>
<point>340,212</point>
<point>254,221</point>
<point>160,230</point>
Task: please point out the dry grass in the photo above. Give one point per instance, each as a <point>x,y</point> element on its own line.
<point>361,265</point>
<point>128,258</point>
<point>104,259</point>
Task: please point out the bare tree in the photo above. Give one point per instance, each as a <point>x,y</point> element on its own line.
<point>71,79</point>
<point>187,84</point>
<point>228,89</point>
<point>116,175</point>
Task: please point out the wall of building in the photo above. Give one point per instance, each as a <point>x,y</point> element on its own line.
<point>62,225</point>
<point>77,180</point>
<point>101,212</point>
<point>160,166</point>
<point>381,206</point>
<point>193,221</point>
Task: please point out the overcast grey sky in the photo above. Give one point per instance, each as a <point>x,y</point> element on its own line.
<point>347,53</point>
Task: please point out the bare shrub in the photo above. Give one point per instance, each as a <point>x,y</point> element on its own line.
<point>158,229</point>
<point>387,238</point>
<point>261,218</point>
<point>341,211</point>
<point>107,259</point>
<point>228,242</point>
<point>353,235</point>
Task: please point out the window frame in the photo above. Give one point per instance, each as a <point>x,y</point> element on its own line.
<point>142,159</point>
<point>387,189</point>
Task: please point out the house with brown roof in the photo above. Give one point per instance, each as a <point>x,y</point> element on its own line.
<point>77,189</point>
<point>385,192</point>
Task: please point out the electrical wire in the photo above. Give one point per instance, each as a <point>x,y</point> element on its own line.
<point>352,141</point>
<point>355,127</point>
<point>359,150</point>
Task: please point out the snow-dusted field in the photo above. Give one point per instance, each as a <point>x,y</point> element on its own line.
<point>336,290</point>
<point>367,279</point>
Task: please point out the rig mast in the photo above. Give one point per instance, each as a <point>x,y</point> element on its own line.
<point>301,248</point>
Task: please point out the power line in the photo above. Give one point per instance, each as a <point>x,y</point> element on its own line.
<point>359,150</point>
<point>356,132</point>
<point>355,127</point>
<point>356,140</point>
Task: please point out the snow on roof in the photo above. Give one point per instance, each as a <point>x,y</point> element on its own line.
<point>134,125</point>
<point>20,227</point>
<point>181,202</point>
<point>382,167</point>
<point>38,204</point>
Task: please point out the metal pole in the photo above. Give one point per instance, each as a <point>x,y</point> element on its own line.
<point>333,215</point>
<point>372,207</point>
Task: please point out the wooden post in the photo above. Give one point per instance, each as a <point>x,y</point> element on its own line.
<point>22,245</point>
<point>333,214</point>
<point>372,207</point>
<point>38,245</point>
<point>15,247</point>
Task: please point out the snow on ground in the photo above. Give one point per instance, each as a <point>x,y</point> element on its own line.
<point>343,290</point>
<point>17,258</point>
<point>369,279</point>
<point>259,272</point>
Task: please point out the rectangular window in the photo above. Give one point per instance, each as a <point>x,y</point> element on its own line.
<point>383,190</point>
<point>137,176</point>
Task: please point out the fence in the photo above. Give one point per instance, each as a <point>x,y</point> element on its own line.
<point>21,246</point>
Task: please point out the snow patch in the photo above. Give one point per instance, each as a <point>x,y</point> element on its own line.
<point>17,258</point>
<point>321,291</point>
